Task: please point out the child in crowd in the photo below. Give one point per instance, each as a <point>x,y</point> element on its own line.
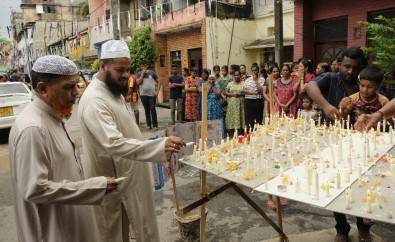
<point>367,100</point>
<point>309,112</point>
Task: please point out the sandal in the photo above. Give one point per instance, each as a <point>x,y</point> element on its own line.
<point>271,205</point>
<point>365,237</point>
<point>283,202</point>
<point>342,238</point>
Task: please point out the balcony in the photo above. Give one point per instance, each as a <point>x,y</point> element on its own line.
<point>180,20</point>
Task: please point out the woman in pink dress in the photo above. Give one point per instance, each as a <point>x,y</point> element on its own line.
<point>285,94</point>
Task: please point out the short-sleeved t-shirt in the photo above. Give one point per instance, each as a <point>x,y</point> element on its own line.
<point>332,88</point>
<point>250,85</point>
<point>176,92</point>
<point>359,106</point>
<point>147,88</point>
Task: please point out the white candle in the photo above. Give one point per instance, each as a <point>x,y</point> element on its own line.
<point>319,121</point>
<point>281,171</point>
<point>346,177</point>
<point>304,127</point>
<point>330,139</point>
<point>375,140</point>
<point>343,126</point>
<point>231,148</point>
<point>340,151</point>
<point>368,202</point>
<point>338,180</point>
<point>200,145</point>
<point>348,206</point>
<point>392,170</point>
<point>317,185</point>
<point>327,193</point>
<point>378,126</point>
<point>222,141</point>
<point>390,134</point>
<point>368,147</point>
<point>384,125</point>
<point>360,175</point>
<point>297,186</point>
<point>266,178</point>
<point>323,168</point>
<point>349,165</point>
<point>351,195</point>
<point>348,122</point>
<point>309,180</point>
<point>292,163</point>
<point>364,148</point>
<point>333,157</point>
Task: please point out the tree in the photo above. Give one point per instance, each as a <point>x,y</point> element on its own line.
<point>95,64</point>
<point>142,48</point>
<point>83,9</point>
<point>382,35</point>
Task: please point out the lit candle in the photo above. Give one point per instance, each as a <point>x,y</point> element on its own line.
<point>317,185</point>
<point>338,181</point>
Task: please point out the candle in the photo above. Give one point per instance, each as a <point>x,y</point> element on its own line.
<point>351,195</point>
<point>205,145</point>
<point>368,202</point>
<point>319,121</point>
<point>309,180</point>
<point>297,186</point>
<point>340,151</point>
<point>292,163</point>
<point>327,193</point>
<point>266,121</point>
<point>333,157</point>
<point>349,165</point>
<point>222,141</point>
<point>231,148</point>
<point>390,134</point>
<point>346,177</point>
<point>293,146</point>
<point>360,175</point>
<point>364,153</point>
<point>384,125</point>
<point>304,127</point>
<point>308,145</point>
<point>343,126</point>
<point>322,164</point>
<point>338,181</point>
<point>330,139</point>
<point>281,171</point>
<point>378,126</point>
<point>348,206</point>
<point>392,170</point>
<point>266,178</point>
<point>367,148</point>
<point>273,145</point>
<point>200,145</point>
<point>317,185</point>
<point>375,140</point>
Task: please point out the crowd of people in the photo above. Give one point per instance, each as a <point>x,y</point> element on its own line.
<point>51,185</point>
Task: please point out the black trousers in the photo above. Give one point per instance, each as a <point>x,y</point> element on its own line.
<point>149,104</point>
<point>254,112</point>
<point>343,227</point>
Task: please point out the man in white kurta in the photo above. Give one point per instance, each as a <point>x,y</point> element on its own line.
<point>114,146</point>
<point>50,195</point>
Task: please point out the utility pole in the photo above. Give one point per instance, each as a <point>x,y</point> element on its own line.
<point>278,30</point>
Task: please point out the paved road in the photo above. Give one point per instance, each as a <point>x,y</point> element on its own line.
<point>229,218</point>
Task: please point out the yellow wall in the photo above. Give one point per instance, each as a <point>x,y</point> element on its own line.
<point>77,52</point>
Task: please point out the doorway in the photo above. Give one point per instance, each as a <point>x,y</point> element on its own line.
<point>195,59</point>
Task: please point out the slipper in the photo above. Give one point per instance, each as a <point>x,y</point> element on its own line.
<point>271,205</point>
<point>368,221</point>
<point>364,237</point>
<point>283,202</point>
<point>342,238</point>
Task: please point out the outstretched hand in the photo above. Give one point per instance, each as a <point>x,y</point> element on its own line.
<point>332,112</point>
<point>367,121</point>
<point>174,144</point>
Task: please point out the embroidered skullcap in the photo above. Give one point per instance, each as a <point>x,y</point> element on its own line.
<point>114,49</point>
<point>54,64</point>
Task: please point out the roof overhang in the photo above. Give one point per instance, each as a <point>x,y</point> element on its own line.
<point>267,43</point>
<point>179,28</point>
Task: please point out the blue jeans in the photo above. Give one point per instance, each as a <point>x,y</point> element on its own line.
<point>149,104</point>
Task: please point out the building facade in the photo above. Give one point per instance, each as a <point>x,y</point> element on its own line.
<point>323,31</point>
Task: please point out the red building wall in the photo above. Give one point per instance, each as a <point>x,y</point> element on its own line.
<point>308,11</point>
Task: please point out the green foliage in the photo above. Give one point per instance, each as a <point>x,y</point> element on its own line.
<point>142,48</point>
<point>83,9</point>
<point>382,35</point>
<point>5,41</point>
<point>95,65</point>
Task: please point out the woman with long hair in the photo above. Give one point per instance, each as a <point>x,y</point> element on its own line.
<point>235,116</point>
<point>305,75</point>
<point>284,93</point>
<point>191,95</point>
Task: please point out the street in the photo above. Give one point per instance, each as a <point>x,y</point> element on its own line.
<point>229,217</point>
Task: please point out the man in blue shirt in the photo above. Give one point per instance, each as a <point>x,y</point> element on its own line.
<point>327,91</point>
<point>176,84</point>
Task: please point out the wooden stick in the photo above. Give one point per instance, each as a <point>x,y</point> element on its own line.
<point>279,217</point>
<point>203,187</point>
<point>173,178</point>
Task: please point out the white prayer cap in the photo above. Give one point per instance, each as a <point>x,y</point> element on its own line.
<point>54,64</point>
<point>114,49</point>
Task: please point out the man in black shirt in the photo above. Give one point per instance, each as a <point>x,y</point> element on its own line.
<point>176,84</point>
